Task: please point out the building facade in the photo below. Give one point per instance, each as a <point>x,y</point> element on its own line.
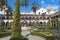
<point>55,19</point>
<point>28,18</point>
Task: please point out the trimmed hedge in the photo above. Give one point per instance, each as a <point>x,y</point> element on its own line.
<point>52,38</point>
<point>47,37</point>
<point>21,38</point>
<point>41,27</point>
<point>4,34</point>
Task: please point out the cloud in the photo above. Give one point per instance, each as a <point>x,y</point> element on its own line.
<point>42,1</point>
<point>56,6</point>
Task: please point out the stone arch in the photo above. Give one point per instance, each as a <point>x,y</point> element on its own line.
<point>10,23</point>
<point>44,23</point>
<point>41,23</point>
<point>30,24</point>
<point>33,23</point>
<point>3,24</point>
<point>37,23</point>
<point>7,24</point>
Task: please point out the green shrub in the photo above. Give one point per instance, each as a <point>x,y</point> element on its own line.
<point>20,38</point>
<point>4,34</point>
<point>41,27</point>
<point>50,37</point>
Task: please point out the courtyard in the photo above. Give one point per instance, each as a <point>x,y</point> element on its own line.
<point>25,32</point>
<point>29,20</point>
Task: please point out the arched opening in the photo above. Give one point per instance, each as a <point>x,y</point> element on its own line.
<point>10,24</point>
<point>3,24</point>
<point>30,24</point>
<point>33,23</point>
<point>37,23</point>
<point>41,23</point>
<point>44,23</point>
<point>7,24</point>
<point>26,23</point>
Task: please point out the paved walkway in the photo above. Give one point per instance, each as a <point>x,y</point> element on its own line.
<point>25,32</point>
<point>30,37</point>
<point>5,38</point>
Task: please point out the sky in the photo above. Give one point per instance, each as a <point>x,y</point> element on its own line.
<point>43,4</point>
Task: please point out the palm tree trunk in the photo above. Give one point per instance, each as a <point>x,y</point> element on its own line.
<point>16,27</point>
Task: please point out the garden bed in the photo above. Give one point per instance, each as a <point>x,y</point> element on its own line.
<point>20,38</point>
<point>4,34</point>
<point>47,35</point>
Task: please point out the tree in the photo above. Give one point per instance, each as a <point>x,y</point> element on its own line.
<point>16,28</point>
<point>35,7</point>
<point>49,8</point>
<point>25,3</point>
<point>49,23</point>
<point>43,14</point>
<point>1,27</point>
<point>8,11</point>
<point>2,2</point>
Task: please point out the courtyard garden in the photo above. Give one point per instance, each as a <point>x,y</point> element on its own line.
<point>46,34</point>
<point>45,31</point>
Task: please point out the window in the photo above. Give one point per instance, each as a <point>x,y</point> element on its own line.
<point>7,17</point>
<point>29,17</point>
<point>45,12</point>
<point>3,24</point>
<point>37,22</point>
<point>3,17</point>
<point>40,22</point>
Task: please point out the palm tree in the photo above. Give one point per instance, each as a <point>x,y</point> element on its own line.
<point>49,8</point>
<point>25,3</point>
<point>35,7</point>
<point>16,28</point>
<point>8,11</point>
<point>2,2</point>
<point>8,14</point>
<point>49,23</point>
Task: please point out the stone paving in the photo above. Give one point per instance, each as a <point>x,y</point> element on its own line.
<point>30,37</point>
<point>25,32</point>
<point>5,38</point>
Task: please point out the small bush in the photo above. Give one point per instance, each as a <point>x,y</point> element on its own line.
<point>4,34</point>
<point>20,38</point>
<point>52,38</point>
<point>48,36</point>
